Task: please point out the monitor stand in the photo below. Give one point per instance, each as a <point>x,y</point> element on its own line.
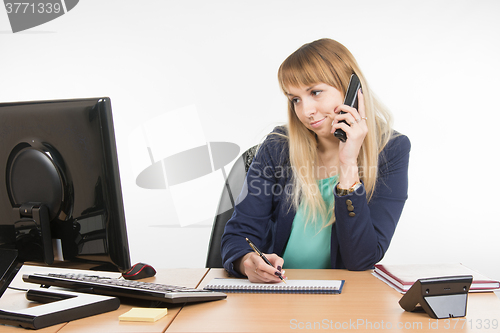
<point>34,227</point>
<point>60,306</point>
<point>64,306</point>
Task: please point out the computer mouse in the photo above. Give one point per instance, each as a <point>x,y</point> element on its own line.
<point>139,271</point>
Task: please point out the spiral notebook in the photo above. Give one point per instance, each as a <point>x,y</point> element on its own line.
<point>291,286</point>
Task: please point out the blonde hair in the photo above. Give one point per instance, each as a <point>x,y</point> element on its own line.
<point>328,61</point>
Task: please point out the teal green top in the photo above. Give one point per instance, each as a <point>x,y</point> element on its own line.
<point>309,244</point>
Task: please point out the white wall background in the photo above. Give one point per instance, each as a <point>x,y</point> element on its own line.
<point>434,63</point>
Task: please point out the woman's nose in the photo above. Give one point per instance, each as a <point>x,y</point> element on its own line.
<point>309,109</point>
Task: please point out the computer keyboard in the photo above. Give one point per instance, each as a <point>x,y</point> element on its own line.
<point>124,288</point>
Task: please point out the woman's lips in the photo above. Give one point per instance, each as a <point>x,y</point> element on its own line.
<point>317,123</point>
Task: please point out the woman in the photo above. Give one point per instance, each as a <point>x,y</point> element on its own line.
<point>314,201</point>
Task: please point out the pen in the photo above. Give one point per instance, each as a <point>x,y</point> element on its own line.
<point>252,245</point>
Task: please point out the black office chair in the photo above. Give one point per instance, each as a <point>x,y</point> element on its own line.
<point>232,188</point>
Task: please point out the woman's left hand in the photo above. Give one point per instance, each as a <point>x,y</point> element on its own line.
<point>355,132</point>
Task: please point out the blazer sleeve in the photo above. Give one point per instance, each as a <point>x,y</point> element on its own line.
<point>253,211</point>
<point>364,229</point>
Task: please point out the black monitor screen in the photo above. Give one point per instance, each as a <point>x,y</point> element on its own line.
<point>60,192</point>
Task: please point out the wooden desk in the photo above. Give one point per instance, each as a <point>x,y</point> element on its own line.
<point>106,322</point>
<point>366,304</point>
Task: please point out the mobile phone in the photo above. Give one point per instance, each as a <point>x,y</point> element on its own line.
<point>351,99</point>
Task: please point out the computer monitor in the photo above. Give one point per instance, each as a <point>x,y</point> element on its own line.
<point>60,192</point>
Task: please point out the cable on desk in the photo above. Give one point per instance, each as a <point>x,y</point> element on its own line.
<point>18,289</point>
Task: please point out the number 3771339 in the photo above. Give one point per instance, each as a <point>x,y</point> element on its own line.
<point>33,8</point>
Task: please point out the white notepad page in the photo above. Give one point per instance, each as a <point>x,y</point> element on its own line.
<point>334,286</point>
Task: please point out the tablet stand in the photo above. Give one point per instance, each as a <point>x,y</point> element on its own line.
<point>61,306</point>
<point>441,297</point>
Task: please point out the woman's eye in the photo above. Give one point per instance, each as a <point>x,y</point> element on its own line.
<point>295,100</point>
<point>316,92</point>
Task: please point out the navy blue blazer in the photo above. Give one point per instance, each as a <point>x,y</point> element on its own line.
<point>264,212</point>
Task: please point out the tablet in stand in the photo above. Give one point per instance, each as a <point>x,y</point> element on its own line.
<point>60,306</point>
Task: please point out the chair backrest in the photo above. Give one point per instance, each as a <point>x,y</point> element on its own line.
<point>232,188</point>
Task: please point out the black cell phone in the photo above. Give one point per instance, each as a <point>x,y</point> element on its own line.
<point>351,99</point>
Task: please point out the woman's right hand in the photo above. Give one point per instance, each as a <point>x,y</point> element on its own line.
<point>257,270</point>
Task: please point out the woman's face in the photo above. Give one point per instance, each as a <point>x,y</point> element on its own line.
<point>314,106</point>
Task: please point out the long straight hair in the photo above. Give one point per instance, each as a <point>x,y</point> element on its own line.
<point>328,61</point>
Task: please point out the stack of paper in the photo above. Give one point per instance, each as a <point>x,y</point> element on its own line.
<point>402,277</point>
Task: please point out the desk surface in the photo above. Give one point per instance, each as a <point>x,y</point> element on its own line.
<point>366,304</point>
<point>106,322</point>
